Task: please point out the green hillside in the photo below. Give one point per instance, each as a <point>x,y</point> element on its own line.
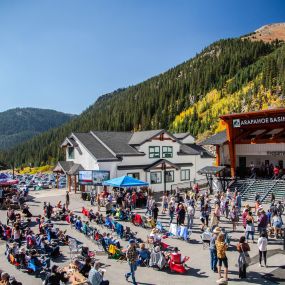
<point>21,124</point>
<point>230,75</point>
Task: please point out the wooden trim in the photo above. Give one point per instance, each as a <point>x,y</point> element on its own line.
<point>218,156</point>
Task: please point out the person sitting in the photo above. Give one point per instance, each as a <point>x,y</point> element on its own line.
<point>86,267</point>
<point>4,278</point>
<point>95,276</point>
<point>85,228</point>
<point>78,224</point>
<point>144,254</point>
<point>157,258</point>
<point>176,261</point>
<point>56,276</point>
<point>26,211</point>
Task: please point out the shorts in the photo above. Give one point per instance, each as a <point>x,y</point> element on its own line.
<point>223,260</point>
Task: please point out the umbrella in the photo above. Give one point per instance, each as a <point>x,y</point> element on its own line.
<point>124,181</point>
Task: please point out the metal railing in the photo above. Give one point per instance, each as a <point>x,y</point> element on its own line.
<point>268,191</point>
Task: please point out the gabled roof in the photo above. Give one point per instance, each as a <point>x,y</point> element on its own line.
<point>139,138</point>
<point>63,166</point>
<point>217,139</point>
<point>117,142</point>
<point>160,161</point>
<point>202,151</point>
<point>187,150</point>
<point>94,146</point>
<point>74,170</point>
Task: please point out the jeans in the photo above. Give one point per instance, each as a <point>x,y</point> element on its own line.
<point>171,217</point>
<point>214,259</point>
<point>190,219</point>
<point>133,268</point>
<point>250,233</point>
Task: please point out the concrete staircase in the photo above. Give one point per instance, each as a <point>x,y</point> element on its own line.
<point>249,187</point>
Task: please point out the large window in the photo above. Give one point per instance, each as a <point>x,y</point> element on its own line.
<point>155,177</point>
<point>70,151</point>
<point>154,152</point>
<point>135,175</point>
<point>169,176</point>
<point>167,151</point>
<point>185,174</point>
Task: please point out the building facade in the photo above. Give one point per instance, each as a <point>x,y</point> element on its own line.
<point>162,159</point>
<point>251,141</point>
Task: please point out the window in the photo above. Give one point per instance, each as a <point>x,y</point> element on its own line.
<point>154,152</point>
<point>155,177</point>
<point>185,174</point>
<point>167,151</point>
<point>135,175</point>
<point>169,176</point>
<point>70,151</point>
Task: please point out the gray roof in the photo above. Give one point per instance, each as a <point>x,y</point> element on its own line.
<point>118,142</point>
<point>187,150</point>
<point>74,170</point>
<point>94,146</point>
<point>182,136</point>
<point>217,139</point>
<point>211,170</point>
<point>201,150</point>
<point>139,138</point>
<point>63,166</point>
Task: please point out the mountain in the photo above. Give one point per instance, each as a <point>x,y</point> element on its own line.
<point>269,33</point>
<point>21,124</point>
<point>231,75</point>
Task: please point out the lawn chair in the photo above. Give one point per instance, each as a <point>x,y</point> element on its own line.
<point>74,249</point>
<point>176,264</point>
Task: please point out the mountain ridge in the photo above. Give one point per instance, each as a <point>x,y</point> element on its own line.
<point>228,75</point>
<point>20,124</point>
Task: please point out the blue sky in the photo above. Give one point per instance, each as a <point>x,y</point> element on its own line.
<point>64,54</point>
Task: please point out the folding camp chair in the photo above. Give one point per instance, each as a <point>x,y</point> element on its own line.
<point>74,249</point>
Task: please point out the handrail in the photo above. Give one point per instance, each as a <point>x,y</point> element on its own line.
<point>248,187</point>
<point>267,192</point>
<point>241,190</point>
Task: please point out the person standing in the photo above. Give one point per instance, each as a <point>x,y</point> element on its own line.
<point>262,247</point>
<point>190,216</point>
<point>262,222</point>
<point>171,211</point>
<point>181,213</point>
<point>238,202</point>
<point>242,248</point>
<point>213,249</point>
<point>67,200</point>
<point>132,257</point>
<point>155,212</point>
<point>221,247</point>
<point>249,226</point>
<point>234,217</point>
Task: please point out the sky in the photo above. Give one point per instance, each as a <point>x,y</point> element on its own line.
<point>64,54</point>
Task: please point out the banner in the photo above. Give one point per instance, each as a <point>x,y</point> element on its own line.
<point>85,177</point>
<point>237,123</point>
<point>93,177</point>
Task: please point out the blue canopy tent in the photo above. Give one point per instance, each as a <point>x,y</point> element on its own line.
<point>124,181</point>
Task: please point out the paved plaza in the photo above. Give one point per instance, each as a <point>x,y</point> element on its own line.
<point>199,271</point>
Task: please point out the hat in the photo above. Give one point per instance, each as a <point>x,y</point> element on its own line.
<point>217,230</point>
<point>131,241</point>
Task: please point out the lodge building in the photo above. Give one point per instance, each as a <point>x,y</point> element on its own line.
<point>162,159</point>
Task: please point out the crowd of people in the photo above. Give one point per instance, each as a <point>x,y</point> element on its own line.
<point>25,247</point>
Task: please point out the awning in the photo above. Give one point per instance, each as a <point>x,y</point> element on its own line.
<point>124,181</point>
<point>211,170</point>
